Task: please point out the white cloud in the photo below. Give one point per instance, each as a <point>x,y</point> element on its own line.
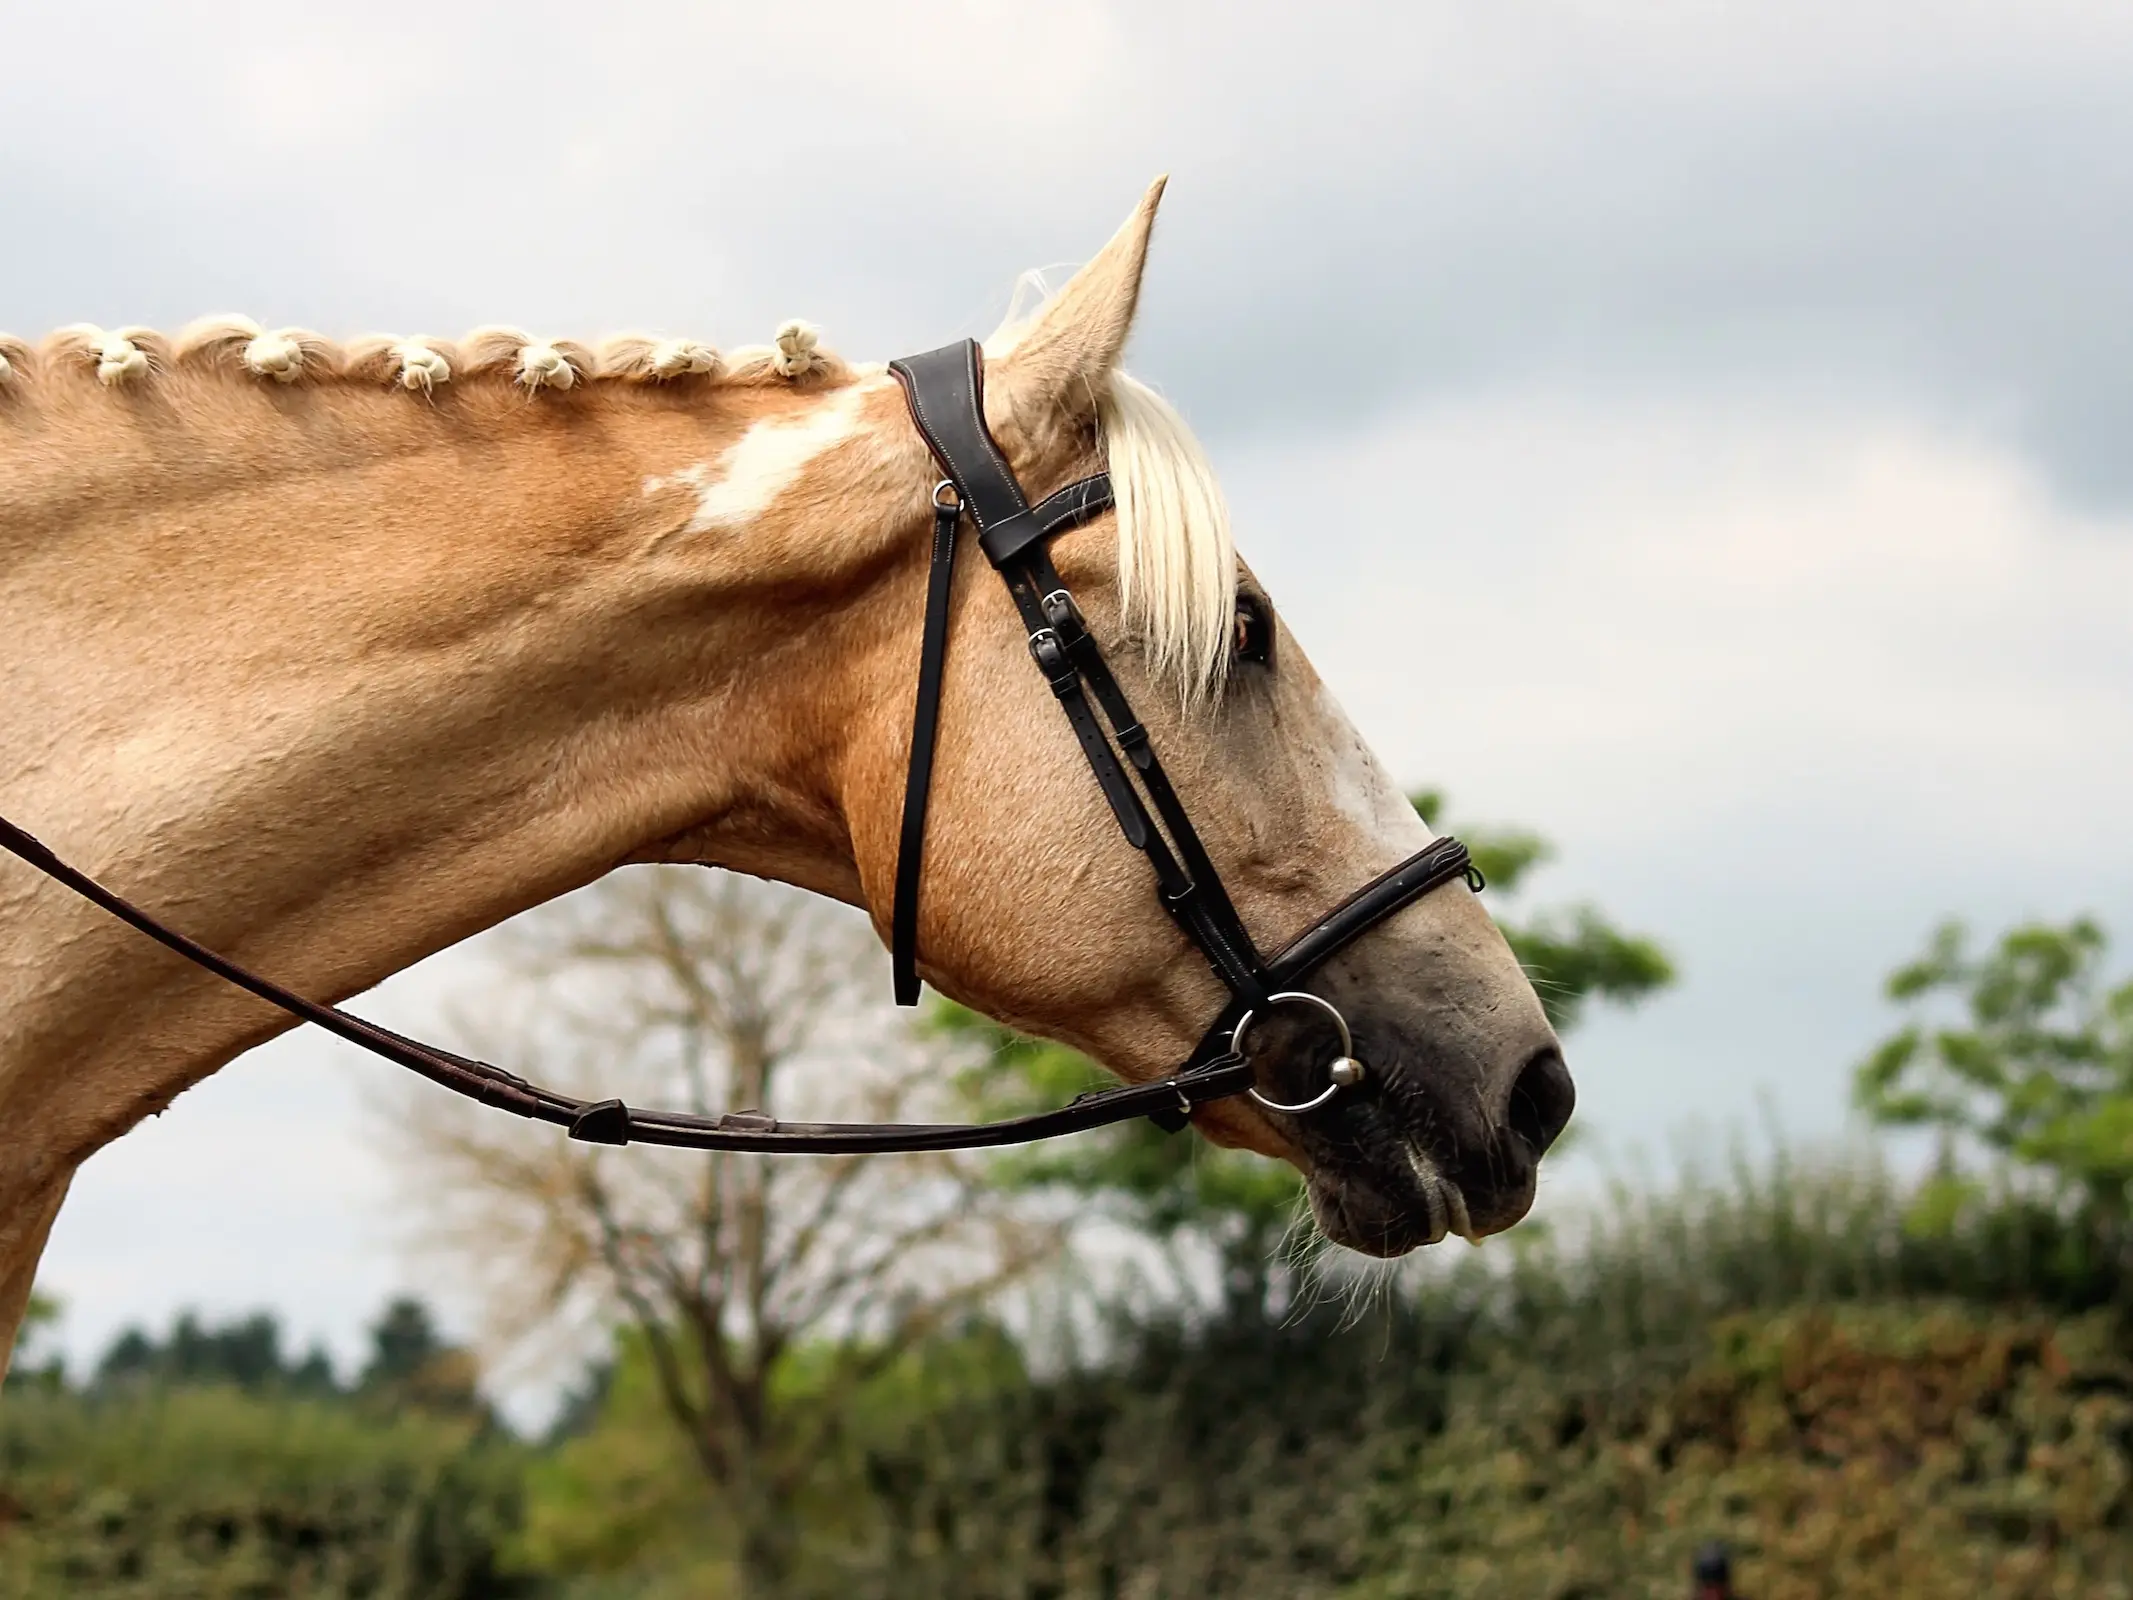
<point>1675,609</point>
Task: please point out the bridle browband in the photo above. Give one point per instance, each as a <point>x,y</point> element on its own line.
<point>945,389</point>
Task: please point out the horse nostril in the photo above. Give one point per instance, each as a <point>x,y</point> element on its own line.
<point>1542,1100</point>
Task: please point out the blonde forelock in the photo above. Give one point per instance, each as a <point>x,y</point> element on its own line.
<point>1177,560</point>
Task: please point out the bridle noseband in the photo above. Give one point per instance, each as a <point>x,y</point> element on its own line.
<point>945,389</point>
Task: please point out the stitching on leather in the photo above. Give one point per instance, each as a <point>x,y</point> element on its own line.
<point>914,396</point>
<point>995,457</point>
<point>1075,503</point>
<point>941,445</point>
<point>914,392</point>
<point>1437,854</point>
<point>1003,475</point>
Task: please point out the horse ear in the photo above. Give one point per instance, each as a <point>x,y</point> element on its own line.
<point>1059,362</point>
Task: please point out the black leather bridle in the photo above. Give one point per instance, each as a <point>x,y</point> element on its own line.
<point>945,389</point>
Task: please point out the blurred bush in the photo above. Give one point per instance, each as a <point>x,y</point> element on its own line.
<point>208,1462</point>
<point>1863,1395</point>
<point>211,1492</point>
<point>1783,1358</point>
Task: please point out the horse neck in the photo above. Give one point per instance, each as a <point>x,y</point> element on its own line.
<point>336,685</point>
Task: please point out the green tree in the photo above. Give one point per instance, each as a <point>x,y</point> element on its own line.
<point>1572,954</point>
<point>736,1283</point>
<point>1167,1188</point>
<point>41,1313</point>
<point>245,1352</point>
<point>412,1364</point>
<point>1170,1188</point>
<point>403,1341</point>
<point>2023,1048</point>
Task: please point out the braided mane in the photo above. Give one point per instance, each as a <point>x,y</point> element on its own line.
<point>1177,564</point>
<point>240,346</point>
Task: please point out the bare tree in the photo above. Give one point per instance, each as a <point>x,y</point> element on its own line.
<point>671,985</point>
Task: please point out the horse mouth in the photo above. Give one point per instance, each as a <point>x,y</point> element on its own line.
<point>1387,1211</point>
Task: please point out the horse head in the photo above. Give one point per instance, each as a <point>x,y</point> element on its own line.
<point>1037,910</point>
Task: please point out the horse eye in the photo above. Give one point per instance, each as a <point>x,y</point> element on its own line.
<point>1254,640</point>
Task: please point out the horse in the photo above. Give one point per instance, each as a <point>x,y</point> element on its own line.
<point>337,654</point>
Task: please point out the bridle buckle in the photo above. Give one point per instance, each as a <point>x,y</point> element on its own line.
<point>1062,613</point>
<point>1048,650</point>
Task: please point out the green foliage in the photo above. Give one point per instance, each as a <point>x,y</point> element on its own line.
<point>1929,1451</point>
<point>1777,1353</point>
<point>1575,955</point>
<point>403,1341</point>
<point>202,1490</point>
<point>1775,1357</point>
<point>411,1363</point>
<point>619,1509</point>
<point>26,1370</point>
<point>209,1463</point>
<point>1572,955</point>
<point>41,1313</point>
<point>1651,1270</point>
<point>2035,1062</point>
<point>1506,856</point>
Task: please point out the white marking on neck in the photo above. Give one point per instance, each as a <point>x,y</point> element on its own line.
<point>1361,788</point>
<point>762,464</point>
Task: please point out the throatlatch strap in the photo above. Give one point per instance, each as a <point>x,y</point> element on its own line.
<point>918,778</point>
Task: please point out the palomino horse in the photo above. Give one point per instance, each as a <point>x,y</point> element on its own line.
<point>336,656</point>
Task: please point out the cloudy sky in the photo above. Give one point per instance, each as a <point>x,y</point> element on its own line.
<point>1697,432</point>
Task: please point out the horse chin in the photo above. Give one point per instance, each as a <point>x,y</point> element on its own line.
<point>1389,1209</point>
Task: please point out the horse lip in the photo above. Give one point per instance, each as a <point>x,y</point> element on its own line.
<point>1439,1213</point>
<point>1443,1199</point>
<point>1455,1200</point>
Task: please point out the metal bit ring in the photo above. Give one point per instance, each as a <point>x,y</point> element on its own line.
<point>1345,1071</point>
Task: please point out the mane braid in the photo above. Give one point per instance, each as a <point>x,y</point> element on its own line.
<point>240,347</point>
<point>238,344</point>
<point>117,357</point>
